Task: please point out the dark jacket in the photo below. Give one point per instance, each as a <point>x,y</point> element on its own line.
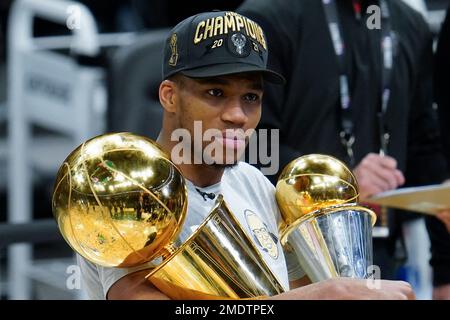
<point>442,97</point>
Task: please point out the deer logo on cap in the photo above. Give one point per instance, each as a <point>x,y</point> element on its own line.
<point>239,45</point>
<point>239,41</point>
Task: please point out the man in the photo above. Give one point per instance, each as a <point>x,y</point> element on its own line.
<point>358,88</point>
<point>213,70</point>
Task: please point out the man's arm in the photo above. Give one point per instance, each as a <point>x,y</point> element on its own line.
<point>135,286</point>
<point>303,281</point>
<point>350,289</point>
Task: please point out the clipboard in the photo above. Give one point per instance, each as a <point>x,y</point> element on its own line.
<point>427,199</point>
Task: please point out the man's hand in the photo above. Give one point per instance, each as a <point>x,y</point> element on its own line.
<point>135,286</point>
<point>444,216</point>
<point>350,289</point>
<point>441,292</point>
<point>376,174</point>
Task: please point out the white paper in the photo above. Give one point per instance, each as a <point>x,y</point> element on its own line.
<point>427,199</point>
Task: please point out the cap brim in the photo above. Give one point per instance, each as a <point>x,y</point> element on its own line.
<point>233,68</point>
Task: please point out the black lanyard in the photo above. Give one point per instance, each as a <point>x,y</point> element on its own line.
<point>347,126</point>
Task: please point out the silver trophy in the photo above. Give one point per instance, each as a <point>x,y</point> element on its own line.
<point>330,234</point>
<point>333,242</point>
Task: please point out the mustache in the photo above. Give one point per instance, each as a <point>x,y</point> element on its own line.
<point>235,134</point>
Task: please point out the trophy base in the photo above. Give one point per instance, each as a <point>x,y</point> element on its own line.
<point>333,242</point>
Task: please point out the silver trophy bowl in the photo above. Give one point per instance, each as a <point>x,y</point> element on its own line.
<point>333,242</point>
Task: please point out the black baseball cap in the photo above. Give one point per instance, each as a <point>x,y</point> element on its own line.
<point>217,43</point>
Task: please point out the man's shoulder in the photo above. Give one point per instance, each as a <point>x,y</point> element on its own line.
<point>244,171</point>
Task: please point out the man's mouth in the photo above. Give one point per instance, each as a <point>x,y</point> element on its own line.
<point>233,143</point>
<point>233,140</point>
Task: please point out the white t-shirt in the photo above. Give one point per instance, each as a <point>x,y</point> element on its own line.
<point>251,198</point>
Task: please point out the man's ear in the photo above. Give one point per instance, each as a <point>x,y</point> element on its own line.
<point>167,95</point>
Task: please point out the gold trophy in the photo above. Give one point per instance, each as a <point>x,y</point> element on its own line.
<point>120,202</point>
<point>218,261</point>
<point>330,234</point>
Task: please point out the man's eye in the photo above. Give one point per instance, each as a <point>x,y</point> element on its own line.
<point>215,92</point>
<point>251,97</point>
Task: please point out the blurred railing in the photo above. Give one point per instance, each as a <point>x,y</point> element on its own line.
<point>38,231</point>
<point>48,277</point>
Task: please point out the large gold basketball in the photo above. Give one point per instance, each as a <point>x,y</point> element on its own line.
<point>312,182</point>
<point>119,200</point>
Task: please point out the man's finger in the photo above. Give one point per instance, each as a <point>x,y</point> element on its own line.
<point>372,183</point>
<point>387,162</point>
<point>388,176</point>
<point>399,177</point>
<point>444,217</point>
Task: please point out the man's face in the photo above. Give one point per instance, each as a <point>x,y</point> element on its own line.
<point>230,104</point>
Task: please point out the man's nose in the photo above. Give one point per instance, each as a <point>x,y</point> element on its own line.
<point>234,114</point>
